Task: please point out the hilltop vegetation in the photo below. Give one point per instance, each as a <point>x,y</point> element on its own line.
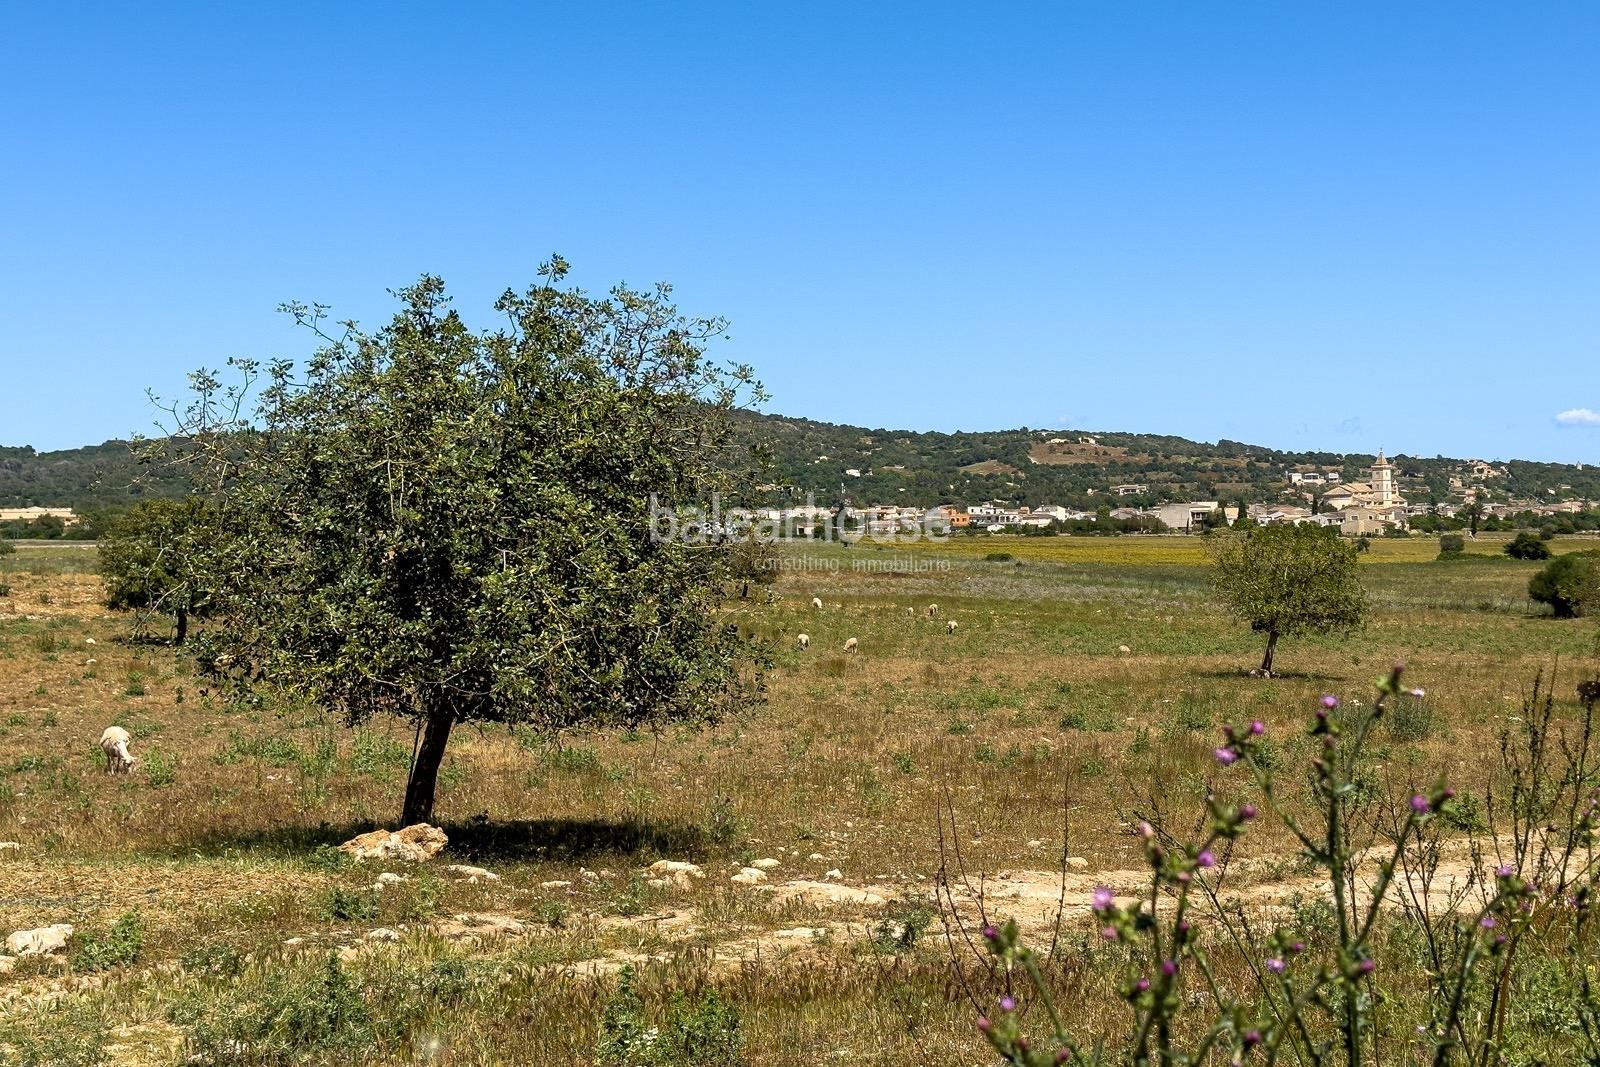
<point>1022,466</point>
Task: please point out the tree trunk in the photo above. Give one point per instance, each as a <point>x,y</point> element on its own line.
<point>425,768</point>
<point>183,627</point>
<point>1272,647</point>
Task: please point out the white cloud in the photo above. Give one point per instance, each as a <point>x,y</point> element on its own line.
<point>1579,417</point>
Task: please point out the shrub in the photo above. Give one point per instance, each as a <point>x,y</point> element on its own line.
<point>696,1032</point>
<point>1570,584</point>
<point>1527,546</point>
<point>115,947</point>
<point>283,1019</point>
<point>998,557</point>
<point>1452,545</point>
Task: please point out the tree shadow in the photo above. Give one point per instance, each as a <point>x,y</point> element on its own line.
<point>1285,676</point>
<point>479,839</point>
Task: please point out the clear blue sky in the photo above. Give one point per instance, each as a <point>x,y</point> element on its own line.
<point>1337,226</point>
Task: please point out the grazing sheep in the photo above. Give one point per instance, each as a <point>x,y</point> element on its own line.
<point>114,743</point>
<point>950,626</point>
<point>816,602</point>
<point>805,641</point>
<point>850,645</point>
<point>933,611</point>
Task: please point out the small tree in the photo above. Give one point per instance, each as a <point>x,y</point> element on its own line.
<point>153,560</point>
<point>1287,580</point>
<point>1570,584</point>
<point>1452,546</point>
<point>1527,545</point>
<point>452,526</point>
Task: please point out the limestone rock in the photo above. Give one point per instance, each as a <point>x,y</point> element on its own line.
<point>475,927</point>
<point>414,844</point>
<point>825,893</point>
<point>7,964</point>
<point>473,875</point>
<point>835,875</point>
<point>750,876</point>
<point>675,873</point>
<point>556,883</point>
<point>388,878</point>
<point>44,941</point>
<point>1077,863</point>
<point>383,933</point>
<point>767,864</point>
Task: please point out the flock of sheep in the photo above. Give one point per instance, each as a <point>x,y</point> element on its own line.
<point>931,611</point>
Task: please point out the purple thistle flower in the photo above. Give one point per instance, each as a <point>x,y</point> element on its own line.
<point>1276,965</point>
<point>1420,805</point>
<point>1247,811</point>
<point>1142,985</point>
<point>1169,967</point>
<point>1505,870</point>
<point>1298,947</point>
<point>1102,898</point>
<point>1109,933</point>
<point>990,933</point>
<point>1252,1038</point>
<point>1206,859</point>
<point>984,1024</point>
<point>1367,966</point>
<point>1258,728</point>
<point>1008,1003</point>
<point>1419,693</point>
<point>1330,702</point>
<point>1487,922</point>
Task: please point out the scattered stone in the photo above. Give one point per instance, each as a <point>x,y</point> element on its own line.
<point>293,942</point>
<point>675,873</point>
<point>587,875</point>
<point>7,964</point>
<point>1036,843</point>
<point>414,844</point>
<point>473,875</point>
<point>10,846</point>
<point>555,884</point>
<point>768,864</point>
<point>750,876</point>
<point>1077,863</point>
<point>44,941</point>
<point>835,875</point>
<point>1124,649</point>
<point>816,856</point>
<point>383,933</point>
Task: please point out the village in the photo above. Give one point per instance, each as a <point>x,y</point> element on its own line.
<point>1315,495</point>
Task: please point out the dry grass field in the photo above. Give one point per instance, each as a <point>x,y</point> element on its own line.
<point>1083,686</point>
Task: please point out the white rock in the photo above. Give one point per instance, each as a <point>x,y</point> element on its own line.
<point>10,846</point>
<point>750,876</point>
<point>44,941</point>
<point>835,875</point>
<point>413,844</point>
<point>768,864</point>
<point>390,878</point>
<point>7,964</point>
<point>293,941</point>
<point>383,933</point>
<point>88,640</point>
<point>817,856</point>
<point>675,872</point>
<point>474,875</point>
<point>1036,844</point>
<point>1124,649</point>
<point>1077,863</point>
<point>587,875</point>
<point>555,884</point>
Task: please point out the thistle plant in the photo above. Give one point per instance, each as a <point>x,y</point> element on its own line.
<point>1531,879</point>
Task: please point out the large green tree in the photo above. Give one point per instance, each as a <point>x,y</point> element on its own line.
<point>457,526</point>
<point>1570,584</point>
<point>1286,580</point>
<point>153,558</point>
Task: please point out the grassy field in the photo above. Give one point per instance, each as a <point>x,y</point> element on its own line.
<point>1084,684</point>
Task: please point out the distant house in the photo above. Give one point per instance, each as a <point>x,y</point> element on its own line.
<point>1130,490</point>
<point>1315,476</point>
<point>1190,516</point>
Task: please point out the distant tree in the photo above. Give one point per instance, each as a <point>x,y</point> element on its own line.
<point>1473,513</point>
<point>1287,580</point>
<point>1527,545</point>
<point>154,559</point>
<point>1570,584</point>
<point>453,526</point>
<point>6,547</point>
<point>1452,545</point>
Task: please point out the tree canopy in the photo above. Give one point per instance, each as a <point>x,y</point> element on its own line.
<point>154,557</point>
<point>1570,584</point>
<point>1286,580</point>
<point>455,526</point>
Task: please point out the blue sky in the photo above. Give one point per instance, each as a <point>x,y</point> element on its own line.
<point>1336,226</point>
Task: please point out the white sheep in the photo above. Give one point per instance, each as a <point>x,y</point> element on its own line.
<point>933,611</point>
<point>950,626</point>
<point>114,743</point>
<point>805,641</point>
<point>816,602</point>
<point>912,612</point>
<point>850,645</point>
